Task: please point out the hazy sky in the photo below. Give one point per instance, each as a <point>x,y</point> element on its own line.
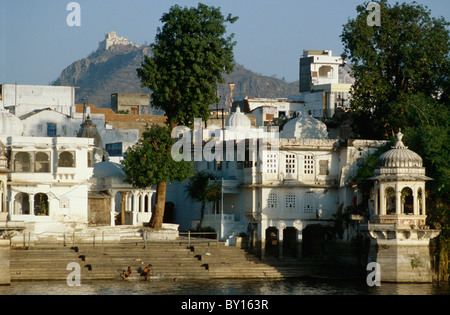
<point>36,43</point>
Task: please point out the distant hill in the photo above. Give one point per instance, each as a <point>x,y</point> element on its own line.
<point>105,72</point>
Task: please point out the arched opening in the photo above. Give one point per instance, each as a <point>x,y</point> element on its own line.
<point>169,212</point>
<point>66,159</point>
<point>42,162</point>
<point>22,162</point>
<point>389,194</point>
<point>41,204</point>
<point>313,241</point>
<point>118,209</point>
<point>290,242</point>
<point>407,201</point>
<point>146,203</point>
<point>22,204</point>
<point>271,242</point>
<point>420,200</point>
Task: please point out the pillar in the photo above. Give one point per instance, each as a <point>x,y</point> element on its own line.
<point>299,237</point>
<point>112,209</point>
<point>31,201</point>
<point>280,227</point>
<point>398,200</point>
<point>135,208</point>
<point>280,243</point>
<point>262,236</point>
<point>382,204</point>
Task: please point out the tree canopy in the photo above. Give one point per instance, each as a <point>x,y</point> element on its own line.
<point>401,70</point>
<point>190,55</point>
<point>407,55</point>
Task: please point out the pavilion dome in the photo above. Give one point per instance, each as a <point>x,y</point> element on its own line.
<point>400,156</point>
<point>304,126</point>
<point>238,119</point>
<point>10,124</point>
<point>107,169</point>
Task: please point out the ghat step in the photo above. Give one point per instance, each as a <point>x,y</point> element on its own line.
<point>169,261</point>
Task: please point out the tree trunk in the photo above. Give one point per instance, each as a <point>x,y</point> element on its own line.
<point>122,209</point>
<point>158,215</point>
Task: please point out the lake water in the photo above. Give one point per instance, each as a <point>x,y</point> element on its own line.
<point>223,287</point>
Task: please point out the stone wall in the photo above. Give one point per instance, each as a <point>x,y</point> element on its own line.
<point>5,277</point>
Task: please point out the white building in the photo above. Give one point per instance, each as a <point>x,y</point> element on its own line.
<point>55,180</point>
<point>298,179</point>
<point>23,99</point>
<point>324,86</point>
<point>49,111</point>
<point>48,182</point>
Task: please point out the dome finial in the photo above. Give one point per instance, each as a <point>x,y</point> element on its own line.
<point>399,144</point>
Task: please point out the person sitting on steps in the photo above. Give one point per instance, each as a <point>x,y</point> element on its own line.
<point>127,273</point>
<point>147,271</point>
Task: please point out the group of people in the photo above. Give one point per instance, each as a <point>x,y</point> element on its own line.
<point>146,272</point>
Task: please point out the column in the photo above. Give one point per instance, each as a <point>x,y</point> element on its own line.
<point>262,236</point>
<point>135,208</point>
<point>280,227</point>
<point>382,204</point>
<point>299,237</point>
<point>31,200</point>
<point>280,243</point>
<point>142,202</point>
<point>398,200</point>
<point>112,209</point>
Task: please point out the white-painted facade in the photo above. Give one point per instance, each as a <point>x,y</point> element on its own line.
<point>303,181</point>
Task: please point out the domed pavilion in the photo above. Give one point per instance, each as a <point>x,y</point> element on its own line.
<point>400,239</point>
<point>400,187</point>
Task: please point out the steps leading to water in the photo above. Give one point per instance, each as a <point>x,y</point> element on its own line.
<point>170,260</point>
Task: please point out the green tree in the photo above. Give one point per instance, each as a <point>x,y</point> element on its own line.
<point>200,190</point>
<point>149,163</point>
<point>190,55</point>
<point>405,56</point>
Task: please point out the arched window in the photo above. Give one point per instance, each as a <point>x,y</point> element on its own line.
<point>22,204</point>
<point>22,162</point>
<point>389,194</point>
<point>66,159</point>
<point>407,201</point>
<point>42,162</point>
<point>41,204</point>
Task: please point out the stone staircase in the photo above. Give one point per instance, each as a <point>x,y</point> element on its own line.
<point>170,260</point>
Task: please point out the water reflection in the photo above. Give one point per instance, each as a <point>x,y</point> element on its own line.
<point>222,287</point>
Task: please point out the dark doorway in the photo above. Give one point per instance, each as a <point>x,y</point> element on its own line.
<point>271,242</point>
<point>290,242</point>
<point>169,212</point>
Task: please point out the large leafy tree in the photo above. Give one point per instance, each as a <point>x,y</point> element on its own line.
<point>401,70</point>
<point>407,55</point>
<point>149,163</point>
<point>190,55</point>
